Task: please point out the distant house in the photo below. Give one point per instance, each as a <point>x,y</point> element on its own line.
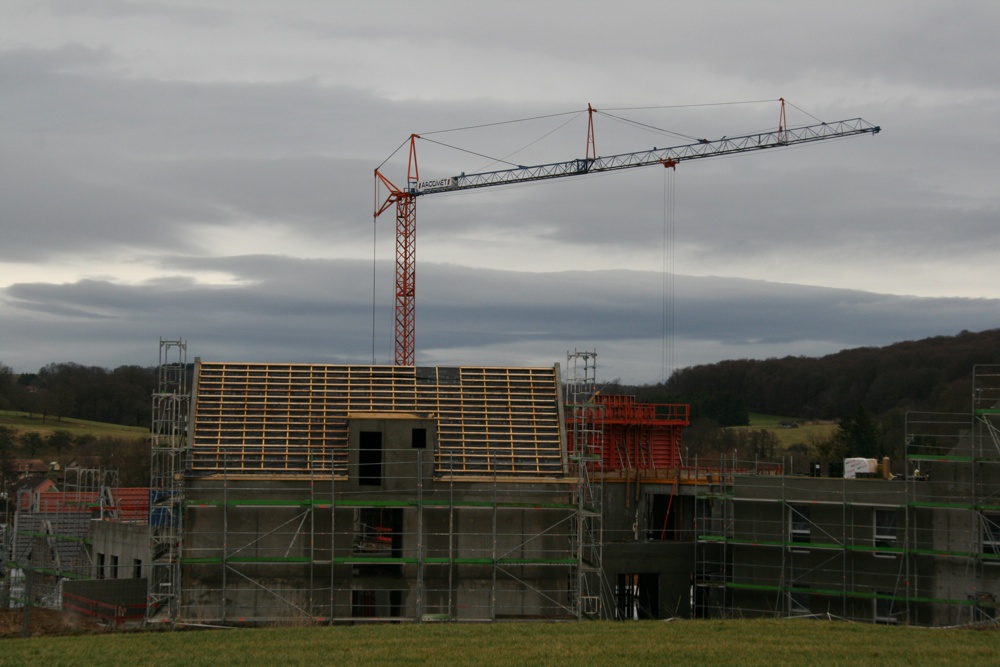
<point>28,491</point>
<point>30,468</point>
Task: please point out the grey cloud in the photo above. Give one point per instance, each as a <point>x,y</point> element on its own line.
<point>102,155</point>
<point>321,311</point>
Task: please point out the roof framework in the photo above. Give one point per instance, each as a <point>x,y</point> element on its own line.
<point>279,419</point>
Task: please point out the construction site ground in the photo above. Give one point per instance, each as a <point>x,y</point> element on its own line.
<point>46,623</point>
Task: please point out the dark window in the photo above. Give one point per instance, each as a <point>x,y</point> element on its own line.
<point>991,536</point>
<point>798,601</point>
<point>370,459</point>
<point>985,605</point>
<point>100,565</point>
<point>378,531</point>
<point>376,604</point>
<point>664,515</point>
<point>419,438</point>
<point>885,607</point>
<point>799,527</point>
<point>114,567</point>
<point>885,531</point>
<point>137,568</point>
<point>637,596</point>
<point>378,534</point>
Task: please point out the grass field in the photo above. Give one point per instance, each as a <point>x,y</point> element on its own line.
<point>702,643</point>
<point>806,431</point>
<point>24,422</point>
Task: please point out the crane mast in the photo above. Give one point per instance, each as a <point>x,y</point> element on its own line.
<point>404,199</point>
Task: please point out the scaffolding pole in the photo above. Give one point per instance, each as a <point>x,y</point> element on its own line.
<point>171,406</point>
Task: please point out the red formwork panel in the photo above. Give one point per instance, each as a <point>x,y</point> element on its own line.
<point>637,436</point>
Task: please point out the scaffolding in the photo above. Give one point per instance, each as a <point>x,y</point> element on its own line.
<point>919,547</point>
<point>261,551</point>
<point>169,446</point>
<point>953,463</point>
<point>49,543</point>
<point>324,493</point>
<point>587,446</point>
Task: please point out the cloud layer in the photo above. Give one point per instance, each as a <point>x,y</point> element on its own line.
<point>206,170</point>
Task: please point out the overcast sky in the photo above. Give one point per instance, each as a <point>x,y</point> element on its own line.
<point>204,170</point>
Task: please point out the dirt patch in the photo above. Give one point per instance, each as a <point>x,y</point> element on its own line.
<point>46,623</point>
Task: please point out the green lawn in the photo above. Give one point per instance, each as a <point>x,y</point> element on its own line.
<point>701,643</point>
<point>24,422</point>
<point>805,432</point>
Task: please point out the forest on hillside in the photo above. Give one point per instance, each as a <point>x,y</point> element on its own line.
<point>933,374</point>
<point>867,391</point>
<point>120,396</point>
<point>59,391</point>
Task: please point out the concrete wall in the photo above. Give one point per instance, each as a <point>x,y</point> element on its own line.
<point>126,543</point>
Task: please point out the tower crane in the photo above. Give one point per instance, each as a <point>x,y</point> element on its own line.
<point>404,199</point>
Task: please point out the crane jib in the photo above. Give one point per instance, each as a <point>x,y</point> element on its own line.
<point>700,149</point>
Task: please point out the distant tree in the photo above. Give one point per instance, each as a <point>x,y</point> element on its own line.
<point>6,387</point>
<point>32,442</point>
<point>60,440</point>
<point>799,450</point>
<point>702,437</point>
<point>762,443</point>
<point>8,438</point>
<point>128,457</point>
<point>726,407</point>
<point>822,445</point>
<point>857,435</point>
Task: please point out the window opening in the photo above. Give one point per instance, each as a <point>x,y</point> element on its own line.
<point>418,438</point>
<point>376,604</point>
<point>665,516</point>
<point>885,608</point>
<point>991,536</point>
<point>637,596</point>
<point>885,531</point>
<point>370,459</point>
<point>799,601</point>
<point>800,528</point>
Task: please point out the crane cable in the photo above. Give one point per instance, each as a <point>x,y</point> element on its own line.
<point>669,225</point>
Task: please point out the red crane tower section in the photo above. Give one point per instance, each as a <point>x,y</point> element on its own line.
<point>406,254</point>
<point>404,199</point>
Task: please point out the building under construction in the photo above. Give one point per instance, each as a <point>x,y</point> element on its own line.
<point>329,493</point>
<point>366,492</point>
<point>373,492</point>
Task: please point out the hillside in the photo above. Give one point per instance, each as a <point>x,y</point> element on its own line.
<point>929,374</point>
<point>870,383</point>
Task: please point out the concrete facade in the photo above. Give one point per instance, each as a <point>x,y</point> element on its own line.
<point>119,550</point>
